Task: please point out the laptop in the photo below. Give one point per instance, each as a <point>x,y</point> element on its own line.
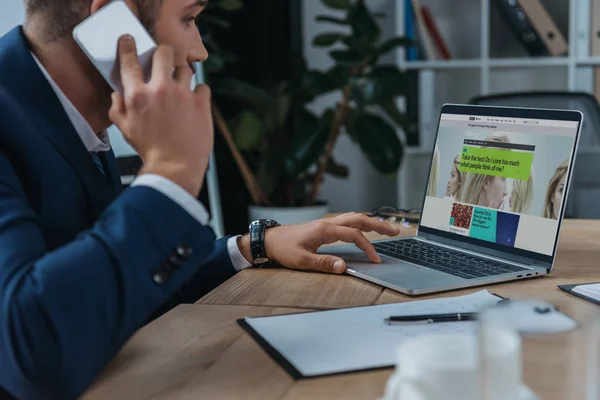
<point>495,200</point>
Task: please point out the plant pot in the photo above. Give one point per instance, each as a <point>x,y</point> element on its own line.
<point>288,215</point>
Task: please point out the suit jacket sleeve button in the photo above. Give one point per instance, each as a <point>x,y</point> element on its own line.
<point>158,279</point>
<point>184,251</point>
<point>175,261</point>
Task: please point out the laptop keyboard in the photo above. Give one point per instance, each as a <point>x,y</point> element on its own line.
<point>445,260</point>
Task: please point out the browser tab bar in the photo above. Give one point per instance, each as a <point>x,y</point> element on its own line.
<point>498,121</point>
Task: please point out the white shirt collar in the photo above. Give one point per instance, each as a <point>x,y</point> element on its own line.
<point>92,142</point>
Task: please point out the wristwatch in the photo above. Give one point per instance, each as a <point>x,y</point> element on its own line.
<point>257,240</point>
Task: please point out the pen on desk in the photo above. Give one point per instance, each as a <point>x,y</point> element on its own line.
<point>430,319</point>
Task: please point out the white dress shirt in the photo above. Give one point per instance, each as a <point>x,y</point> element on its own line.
<point>101,142</point>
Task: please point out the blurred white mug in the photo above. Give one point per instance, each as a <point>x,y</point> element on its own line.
<point>449,366</point>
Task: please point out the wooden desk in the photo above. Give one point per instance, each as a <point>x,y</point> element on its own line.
<point>578,261</point>
<point>198,351</point>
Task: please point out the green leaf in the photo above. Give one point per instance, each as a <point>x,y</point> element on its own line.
<point>382,83</point>
<point>313,84</point>
<point>304,123</point>
<point>391,82</point>
<point>307,146</point>
<point>244,93</point>
<point>338,76</point>
<point>346,57</point>
<point>278,114</point>
<point>337,4</point>
<point>327,39</point>
<point>333,20</point>
<point>229,5</point>
<point>393,43</point>
<point>363,91</point>
<point>357,45</point>
<point>391,109</point>
<point>336,169</point>
<point>248,131</point>
<point>317,83</point>
<point>379,141</point>
<point>363,24</point>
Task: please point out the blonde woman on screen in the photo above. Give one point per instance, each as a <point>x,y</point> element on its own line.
<point>456,182</point>
<point>555,191</point>
<point>522,194</point>
<point>486,190</point>
<point>434,173</point>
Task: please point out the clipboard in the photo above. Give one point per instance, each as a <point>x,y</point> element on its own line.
<point>302,344</point>
<point>569,289</point>
<point>287,366</point>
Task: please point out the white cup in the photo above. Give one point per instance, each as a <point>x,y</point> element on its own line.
<point>450,366</point>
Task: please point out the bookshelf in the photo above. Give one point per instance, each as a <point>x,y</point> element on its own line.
<point>487,59</point>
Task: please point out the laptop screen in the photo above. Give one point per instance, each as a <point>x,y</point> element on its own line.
<point>500,180</point>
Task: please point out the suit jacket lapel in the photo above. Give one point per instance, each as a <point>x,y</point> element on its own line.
<point>21,76</point>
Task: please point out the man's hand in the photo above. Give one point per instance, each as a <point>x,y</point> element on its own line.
<point>169,125</point>
<point>295,246</point>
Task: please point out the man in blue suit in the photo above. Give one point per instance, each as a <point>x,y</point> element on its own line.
<point>82,265</point>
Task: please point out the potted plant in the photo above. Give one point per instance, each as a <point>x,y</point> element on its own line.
<point>283,149</point>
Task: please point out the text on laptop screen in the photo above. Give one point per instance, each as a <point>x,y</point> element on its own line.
<point>500,180</point>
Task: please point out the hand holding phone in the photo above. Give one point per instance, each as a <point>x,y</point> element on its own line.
<point>99,34</point>
<point>169,125</point>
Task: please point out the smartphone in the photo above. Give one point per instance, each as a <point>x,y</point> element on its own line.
<point>98,37</point>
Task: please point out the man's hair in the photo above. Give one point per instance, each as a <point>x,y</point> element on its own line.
<point>58,18</point>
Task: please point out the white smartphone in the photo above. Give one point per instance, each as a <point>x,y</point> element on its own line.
<point>98,37</point>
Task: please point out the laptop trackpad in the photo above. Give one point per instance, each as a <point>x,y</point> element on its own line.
<point>396,272</point>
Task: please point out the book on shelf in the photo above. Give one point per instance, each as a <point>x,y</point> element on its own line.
<point>412,53</point>
<point>436,36</point>
<point>546,28</point>
<point>533,26</point>
<point>420,25</point>
<point>423,37</point>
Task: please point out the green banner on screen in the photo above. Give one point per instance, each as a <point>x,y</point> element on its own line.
<point>489,161</point>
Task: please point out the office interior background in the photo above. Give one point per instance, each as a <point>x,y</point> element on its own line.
<point>485,58</point>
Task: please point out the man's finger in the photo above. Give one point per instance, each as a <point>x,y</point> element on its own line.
<point>162,63</point>
<point>203,93</point>
<point>366,224</point>
<point>352,235</point>
<point>184,74</point>
<point>117,110</point>
<point>327,264</point>
<point>131,71</point>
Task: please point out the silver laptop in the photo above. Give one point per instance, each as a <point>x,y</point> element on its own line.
<point>495,200</point>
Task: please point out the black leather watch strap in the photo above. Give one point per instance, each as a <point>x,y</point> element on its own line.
<point>257,240</point>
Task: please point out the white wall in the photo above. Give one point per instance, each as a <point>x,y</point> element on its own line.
<point>11,15</point>
<point>365,189</point>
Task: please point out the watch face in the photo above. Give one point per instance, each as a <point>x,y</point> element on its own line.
<point>266,222</point>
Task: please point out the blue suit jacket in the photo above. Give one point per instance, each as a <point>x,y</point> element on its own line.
<point>79,260</point>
